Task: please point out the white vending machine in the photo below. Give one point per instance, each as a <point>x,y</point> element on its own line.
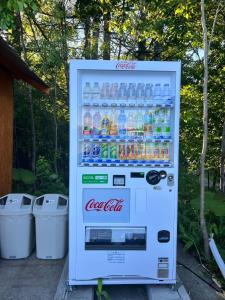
<point>124,137</point>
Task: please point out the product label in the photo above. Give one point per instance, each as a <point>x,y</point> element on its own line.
<point>94,178</point>
<point>106,205</point>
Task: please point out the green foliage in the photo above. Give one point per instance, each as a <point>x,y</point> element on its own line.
<point>23,181</point>
<point>214,202</point>
<point>101,294</point>
<point>47,181</point>
<point>189,229</point>
<point>8,8</point>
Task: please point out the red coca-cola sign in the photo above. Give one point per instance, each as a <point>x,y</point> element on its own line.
<point>111,205</point>
<point>126,65</point>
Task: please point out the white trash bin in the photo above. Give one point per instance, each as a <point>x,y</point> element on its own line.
<point>16,226</point>
<point>51,222</point>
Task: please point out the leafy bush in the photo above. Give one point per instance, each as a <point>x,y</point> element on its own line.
<point>45,180</point>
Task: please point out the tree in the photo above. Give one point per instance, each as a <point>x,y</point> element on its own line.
<point>206,46</point>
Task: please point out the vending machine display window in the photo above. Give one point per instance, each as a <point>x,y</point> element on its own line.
<point>115,238</point>
<point>127,121</point>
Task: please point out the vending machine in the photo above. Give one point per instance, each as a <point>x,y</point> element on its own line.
<point>124,138</point>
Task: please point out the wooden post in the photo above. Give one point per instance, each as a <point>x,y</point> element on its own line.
<point>6,131</point>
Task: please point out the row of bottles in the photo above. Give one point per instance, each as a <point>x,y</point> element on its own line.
<point>126,151</point>
<point>126,91</point>
<point>153,123</point>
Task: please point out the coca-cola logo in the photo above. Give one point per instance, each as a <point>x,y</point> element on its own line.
<point>111,205</point>
<point>126,65</point>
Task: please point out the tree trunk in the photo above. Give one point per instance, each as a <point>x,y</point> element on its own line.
<point>157,51</point>
<point>56,128</point>
<point>205,136</point>
<point>107,37</point>
<point>222,160</point>
<point>87,50</point>
<point>141,50</point>
<point>65,51</point>
<point>30,99</point>
<point>214,179</point>
<point>95,38</point>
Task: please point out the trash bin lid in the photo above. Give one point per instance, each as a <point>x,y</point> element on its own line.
<point>16,204</point>
<point>51,205</point>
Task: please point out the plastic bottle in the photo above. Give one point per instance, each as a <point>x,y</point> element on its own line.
<point>87,123</point>
<point>166,129</point>
<point>139,126</point>
<point>122,93</point>
<point>113,130</point>
<point>130,124</point>
<point>96,91</point>
<point>157,90</point>
<point>113,92</point>
<point>157,131</point>
<point>148,124</point>
<point>96,124</point>
<point>105,90</point>
<point>105,124</point>
<point>87,91</point>
<point>148,91</point>
<point>166,90</point>
<point>122,123</point>
<point>140,92</point>
<point>131,91</point>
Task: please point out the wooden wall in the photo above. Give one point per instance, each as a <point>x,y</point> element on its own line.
<point>6,131</point>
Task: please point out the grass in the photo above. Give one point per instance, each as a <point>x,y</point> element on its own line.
<point>214,201</point>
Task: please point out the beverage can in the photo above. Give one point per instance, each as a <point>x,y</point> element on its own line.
<point>166,151</point>
<point>122,151</point>
<point>87,150</point>
<point>140,151</point>
<point>156,152</point>
<point>104,151</point>
<point>113,151</point>
<point>96,151</point>
<point>148,151</point>
<point>130,151</point>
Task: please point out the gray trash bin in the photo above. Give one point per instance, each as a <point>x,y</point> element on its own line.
<point>16,226</point>
<point>51,222</point>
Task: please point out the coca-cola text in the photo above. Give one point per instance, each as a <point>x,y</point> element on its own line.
<point>115,205</point>
<point>126,65</point>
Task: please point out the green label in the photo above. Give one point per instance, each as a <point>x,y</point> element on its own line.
<point>94,178</point>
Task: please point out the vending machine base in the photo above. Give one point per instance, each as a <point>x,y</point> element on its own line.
<point>122,280</point>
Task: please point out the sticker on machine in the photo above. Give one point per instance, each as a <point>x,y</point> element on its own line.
<point>116,257</point>
<point>106,205</point>
<point>94,178</point>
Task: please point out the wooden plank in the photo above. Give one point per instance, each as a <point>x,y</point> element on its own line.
<point>6,131</point>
